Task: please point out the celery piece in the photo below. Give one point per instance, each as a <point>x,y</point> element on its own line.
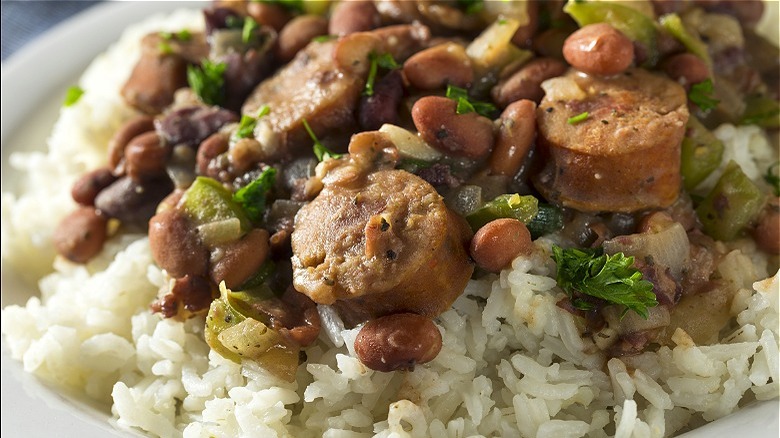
<point>701,153</point>
<point>731,206</point>
<point>522,208</point>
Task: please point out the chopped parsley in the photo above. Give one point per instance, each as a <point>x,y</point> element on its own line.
<point>581,117</point>
<point>246,127</point>
<point>466,105</point>
<point>73,95</point>
<point>610,278</point>
<point>250,25</point>
<point>385,61</point>
<point>471,6</point>
<point>701,95</point>
<point>320,151</point>
<point>164,48</point>
<point>182,35</point>
<point>324,38</point>
<point>772,177</point>
<point>253,196</point>
<point>207,81</point>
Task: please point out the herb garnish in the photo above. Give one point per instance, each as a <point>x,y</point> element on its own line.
<point>290,5</point>
<point>701,95</point>
<point>246,127</point>
<point>385,61</point>
<point>250,25</point>
<point>182,35</point>
<point>207,81</point>
<point>610,278</point>
<point>772,177</point>
<point>324,38</point>
<point>252,197</point>
<point>578,118</point>
<point>471,6</point>
<point>320,151</point>
<point>73,95</point>
<point>466,105</point>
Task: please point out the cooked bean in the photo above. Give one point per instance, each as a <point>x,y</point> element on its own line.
<point>146,156</point>
<point>297,34</point>
<point>398,342</point>
<point>526,83</point>
<point>498,242</point>
<point>132,202</point>
<point>210,149</point>
<point>175,244</point>
<point>516,134</point>
<point>90,184</point>
<point>193,124</point>
<point>523,35</point>
<point>81,235</point>
<point>353,16</point>
<point>268,14</point>
<point>467,135</point>
<point>193,291</point>
<point>128,131</point>
<point>686,68</point>
<point>599,49</point>
<point>382,107</point>
<point>767,230</point>
<point>438,66</point>
<point>549,43</point>
<point>352,52</point>
<point>239,260</point>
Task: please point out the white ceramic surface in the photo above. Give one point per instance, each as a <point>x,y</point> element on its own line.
<point>33,82</point>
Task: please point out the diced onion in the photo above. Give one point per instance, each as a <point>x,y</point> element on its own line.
<point>219,232</point>
<point>409,145</point>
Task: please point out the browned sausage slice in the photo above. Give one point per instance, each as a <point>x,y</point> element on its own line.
<point>385,246</point>
<point>625,155</point>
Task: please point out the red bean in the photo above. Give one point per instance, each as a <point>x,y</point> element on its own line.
<point>516,134</point>
<point>128,131</point>
<point>298,33</point>
<point>86,188</point>
<point>353,16</point>
<point>686,68</point>
<point>175,244</point>
<point>498,242</point>
<point>398,342</point>
<point>146,156</point>
<point>767,230</point>
<point>438,66</point>
<point>467,135</point>
<point>268,14</point>
<point>240,259</point>
<point>80,235</point>
<point>526,83</point>
<point>210,149</point>
<point>599,49</point>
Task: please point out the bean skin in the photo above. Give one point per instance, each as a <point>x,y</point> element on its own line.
<point>80,236</point>
<point>353,16</point>
<point>176,246</point>
<point>434,68</point>
<point>297,34</point>
<point>767,231</point>
<point>210,149</point>
<point>268,14</point>
<point>467,135</point>
<point>498,242</point>
<point>599,49</point>
<point>146,156</point>
<point>132,202</point>
<point>686,68</point>
<point>128,131</point>
<point>526,83</point>
<point>352,51</point>
<point>516,134</point>
<point>240,259</point>
<point>523,36</point>
<point>398,342</point>
<point>86,188</point>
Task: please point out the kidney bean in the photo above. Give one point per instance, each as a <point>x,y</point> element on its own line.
<point>175,244</point>
<point>146,156</point>
<point>523,36</point>
<point>438,66</point>
<point>194,292</point>
<point>210,149</point>
<point>498,242</point>
<point>352,51</point>
<point>516,134</point>
<point>353,16</point>
<point>467,135</point>
<point>686,68</point>
<point>549,43</point>
<point>382,107</point>
<point>268,14</point>
<point>599,49</point>
<point>90,184</point>
<point>80,236</point>
<point>526,83</point>
<point>131,202</point>
<point>398,342</point>
<point>239,260</point>
<point>128,131</point>
<point>767,230</point>
<point>297,34</point>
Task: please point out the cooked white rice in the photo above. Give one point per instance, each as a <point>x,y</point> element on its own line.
<point>512,362</point>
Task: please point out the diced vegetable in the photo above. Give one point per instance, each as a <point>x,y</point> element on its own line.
<point>467,105</point>
<point>522,208</point>
<point>772,177</point>
<point>320,151</point>
<point>701,95</point>
<point>207,81</point>
<point>762,111</point>
<point>674,25</point>
<point>385,61</point>
<point>253,196</point>
<point>548,219</point>
<point>631,22</point>
<point>701,154</point>
<point>493,50</point>
<point>409,144</point>
<point>72,96</point>
<point>208,201</point>
<point>731,206</point>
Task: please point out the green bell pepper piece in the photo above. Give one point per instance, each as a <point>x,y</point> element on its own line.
<point>674,25</point>
<point>731,206</point>
<point>208,201</point>
<point>522,208</point>
<point>701,153</point>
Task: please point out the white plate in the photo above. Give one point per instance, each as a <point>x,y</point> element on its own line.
<point>33,82</point>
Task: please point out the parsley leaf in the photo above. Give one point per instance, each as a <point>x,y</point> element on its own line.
<point>581,117</point>
<point>466,105</point>
<point>253,196</point>
<point>320,151</point>
<point>207,81</point>
<point>385,61</point>
<point>471,6</point>
<point>701,95</point>
<point>772,177</point>
<point>324,38</point>
<point>250,25</point>
<point>73,95</point>
<point>610,278</point>
<point>246,127</point>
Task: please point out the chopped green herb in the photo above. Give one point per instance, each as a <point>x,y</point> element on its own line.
<point>772,177</point>
<point>263,111</point>
<point>73,95</point>
<point>466,105</point>
<point>320,151</point>
<point>164,48</point>
<point>324,38</point>
<point>762,111</point>
<point>523,208</point>
<point>250,25</point>
<point>207,81</point>
<point>701,95</point>
<point>246,127</point>
<point>385,61</point>
<point>471,6</point>
<point>253,196</point>
<point>291,5</point>
<point>502,21</point>
<point>581,117</point>
<point>610,278</point>
<point>182,35</point>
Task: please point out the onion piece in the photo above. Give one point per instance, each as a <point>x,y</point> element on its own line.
<point>668,247</point>
<point>408,144</point>
<point>219,232</point>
